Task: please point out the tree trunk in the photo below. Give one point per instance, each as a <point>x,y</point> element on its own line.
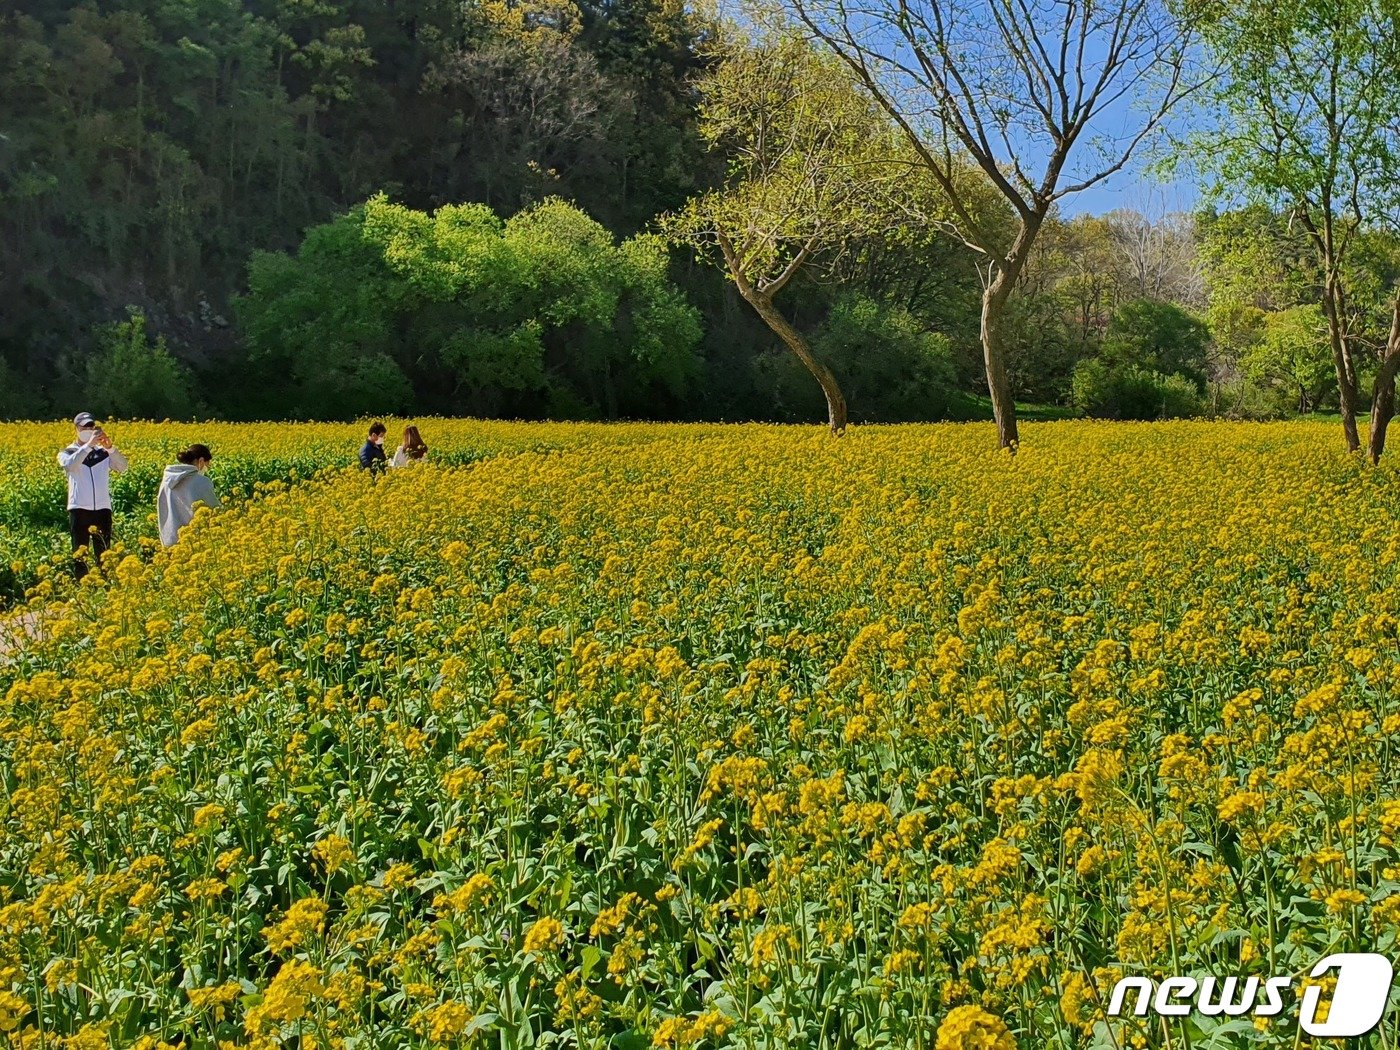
<point>994,357</point>
<point>835,400</point>
<point>1341,360</point>
<point>1383,397</point>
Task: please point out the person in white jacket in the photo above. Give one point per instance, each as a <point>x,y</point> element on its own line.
<point>182,487</point>
<point>89,462</point>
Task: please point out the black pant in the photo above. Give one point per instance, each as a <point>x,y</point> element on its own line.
<point>89,528</point>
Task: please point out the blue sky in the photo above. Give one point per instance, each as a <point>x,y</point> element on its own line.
<point>1137,186</point>
<point>1132,189</point>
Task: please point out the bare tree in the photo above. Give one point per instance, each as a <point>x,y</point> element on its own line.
<point>1159,255</point>
<point>530,105</point>
<point>1026,89</point>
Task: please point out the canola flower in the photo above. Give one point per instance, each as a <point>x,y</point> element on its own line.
<point>33,494</point>
<point>710,737</point>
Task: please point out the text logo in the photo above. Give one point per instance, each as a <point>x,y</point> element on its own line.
<point>1357,1002</point>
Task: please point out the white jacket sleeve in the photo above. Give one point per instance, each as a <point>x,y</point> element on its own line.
<point>119,463</point>
<point>72,457</point>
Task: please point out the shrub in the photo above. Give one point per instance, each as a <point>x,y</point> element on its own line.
<point>891,369</point>
<point>1158,337</point>
<point>133,377</point>
<point>461,310</point>
<point>1129,392</point>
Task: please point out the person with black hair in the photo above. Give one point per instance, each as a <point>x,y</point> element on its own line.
<point>372,456</point>
<point>181,488</point>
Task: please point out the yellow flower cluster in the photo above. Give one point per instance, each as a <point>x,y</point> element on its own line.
<point>676,1033</point>
<point>545,935</point>
<point>972,1028</point>
<point>246,458</point>
<point>700,737</point>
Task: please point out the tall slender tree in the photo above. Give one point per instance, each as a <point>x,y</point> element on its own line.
<point>1309,99</point>
<point>1027,89</point>
<point>809,157</point>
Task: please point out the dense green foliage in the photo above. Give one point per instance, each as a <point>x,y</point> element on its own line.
<point>541,315</point>
<point>135,377</point>
<point>1308,124</point>
<point>150,148</point>
<point>184,195</point>
<point>168,160</point>
<point>1131,392</point>
<point>1152,364</point>
<point>892,369</point>
<point>1160,337</point>
<point>1290,357</point>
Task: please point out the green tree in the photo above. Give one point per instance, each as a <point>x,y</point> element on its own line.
<point>1088,264</point>
<point>1310,100</point>
<point>1235,329</point>
<point>1016,87</point>
<point>1131,392</point>
<point>1158,337</point>
<point>1292,354</point>
<point>15,401</point>
<point>134,377</point>
<point>1254,256</point>
<point>895,370</point>
<point>808,157</point>
<point>1042,346</point>
<point>149,147</point>
<point>322,327</point>
<point>553,290</point>
<point>458,310</point>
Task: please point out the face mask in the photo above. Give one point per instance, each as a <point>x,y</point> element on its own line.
<point>84,436</point>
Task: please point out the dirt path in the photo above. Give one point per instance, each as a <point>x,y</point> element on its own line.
<point>15,630</point>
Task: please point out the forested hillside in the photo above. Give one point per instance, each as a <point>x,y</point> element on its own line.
<point>149,148</point>
<point>184,193</point>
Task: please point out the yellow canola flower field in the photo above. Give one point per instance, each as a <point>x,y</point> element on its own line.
<point>33,493</point>
<point>714,737</point>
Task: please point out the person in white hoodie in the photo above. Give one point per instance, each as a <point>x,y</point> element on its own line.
<point>89,462</point>
<point>182,487</point>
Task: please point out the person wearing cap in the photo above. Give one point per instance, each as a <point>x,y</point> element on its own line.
<point>89,462</point>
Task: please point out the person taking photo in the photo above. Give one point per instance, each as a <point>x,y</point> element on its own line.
<point>89,462</point>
